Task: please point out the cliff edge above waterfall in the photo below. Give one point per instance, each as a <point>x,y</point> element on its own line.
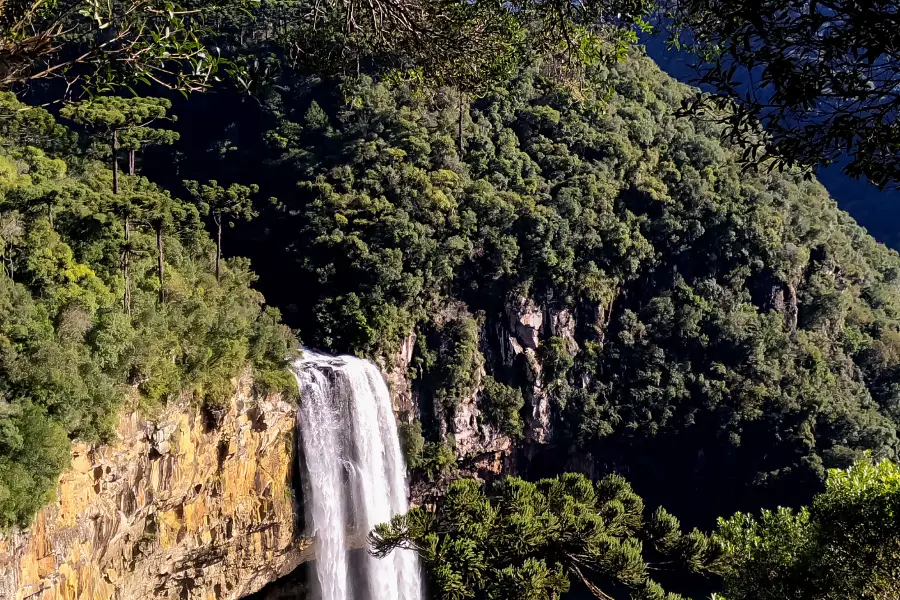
<point>173,508</point>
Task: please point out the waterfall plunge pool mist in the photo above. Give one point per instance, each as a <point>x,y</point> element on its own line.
<point>354,477</point>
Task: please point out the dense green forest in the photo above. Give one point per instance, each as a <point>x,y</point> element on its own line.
<point>75,346</point>
<point>429,168</point>
<point>736,331</point>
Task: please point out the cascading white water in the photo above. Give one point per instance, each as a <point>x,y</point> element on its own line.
<point>355,475</point>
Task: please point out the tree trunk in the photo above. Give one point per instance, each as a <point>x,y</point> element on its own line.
<point>131,162</point>
<point>218,219</point>
<point>160,265</point>
<point>115,158</point>
<point>125,274</point>
<point>461,138</point>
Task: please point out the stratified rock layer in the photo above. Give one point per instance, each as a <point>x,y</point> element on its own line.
<point>175,508</point>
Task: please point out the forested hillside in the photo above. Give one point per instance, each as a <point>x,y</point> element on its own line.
<point>632,347</point>
<point>81,337</point>
<point>737,332</point>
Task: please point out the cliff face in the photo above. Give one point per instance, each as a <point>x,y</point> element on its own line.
<point>174,508</point>
<point>509,344</point>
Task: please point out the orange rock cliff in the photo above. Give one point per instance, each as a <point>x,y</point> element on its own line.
<point>173,508</point>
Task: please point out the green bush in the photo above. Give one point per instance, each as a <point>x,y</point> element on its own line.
<point>433,460</point>
<point>412,443</point>
<point>449,358</point>
<point>555,359</point>
<point>438,460</point>
<point>501,404</point>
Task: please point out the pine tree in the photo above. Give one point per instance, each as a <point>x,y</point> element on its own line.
<point>528,540</point>
<point>112,117</point>
<point>225,205</point>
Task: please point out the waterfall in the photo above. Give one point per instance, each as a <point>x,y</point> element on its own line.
<point>355,476</point>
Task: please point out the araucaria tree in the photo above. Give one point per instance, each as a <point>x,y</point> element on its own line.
<point>525,541</point>
<point>112,117</point>
<point>135,139</point>
<point>164,214</point>
<point>225,205</point>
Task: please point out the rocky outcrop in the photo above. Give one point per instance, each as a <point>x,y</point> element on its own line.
<point>396,372</point>
<point>525,321</point>
<point>522,340</point>
<point>475,438</point>
<point>173,509</point>
<point>561,324</point>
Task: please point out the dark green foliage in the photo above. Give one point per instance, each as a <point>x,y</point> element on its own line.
<point>33,452</point>
<point>821,78</point>
<point>433,460</point>
<point>528,540</point>
<point>412,443</point>
<point>846,545</point>
<point>438,460</point>
<point>555,359</point>
<point>69,353</point>
<point>500,404</point>
<point>736,333</point>
<point>451,369</point>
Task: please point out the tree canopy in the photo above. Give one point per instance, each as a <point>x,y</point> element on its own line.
<point>521,540</point>
<point>845,545</point>
<point>71,354</point>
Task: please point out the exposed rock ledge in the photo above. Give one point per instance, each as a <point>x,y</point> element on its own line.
<point>171,510</point>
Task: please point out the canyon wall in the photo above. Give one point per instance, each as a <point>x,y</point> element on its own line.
<point>175,507</point>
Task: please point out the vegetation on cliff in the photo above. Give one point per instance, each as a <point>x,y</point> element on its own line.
<point>101,294</point>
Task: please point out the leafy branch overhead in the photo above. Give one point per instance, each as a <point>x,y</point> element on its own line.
<point>822,79</point>
<point>100,45</point>
<point>189,45</point>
